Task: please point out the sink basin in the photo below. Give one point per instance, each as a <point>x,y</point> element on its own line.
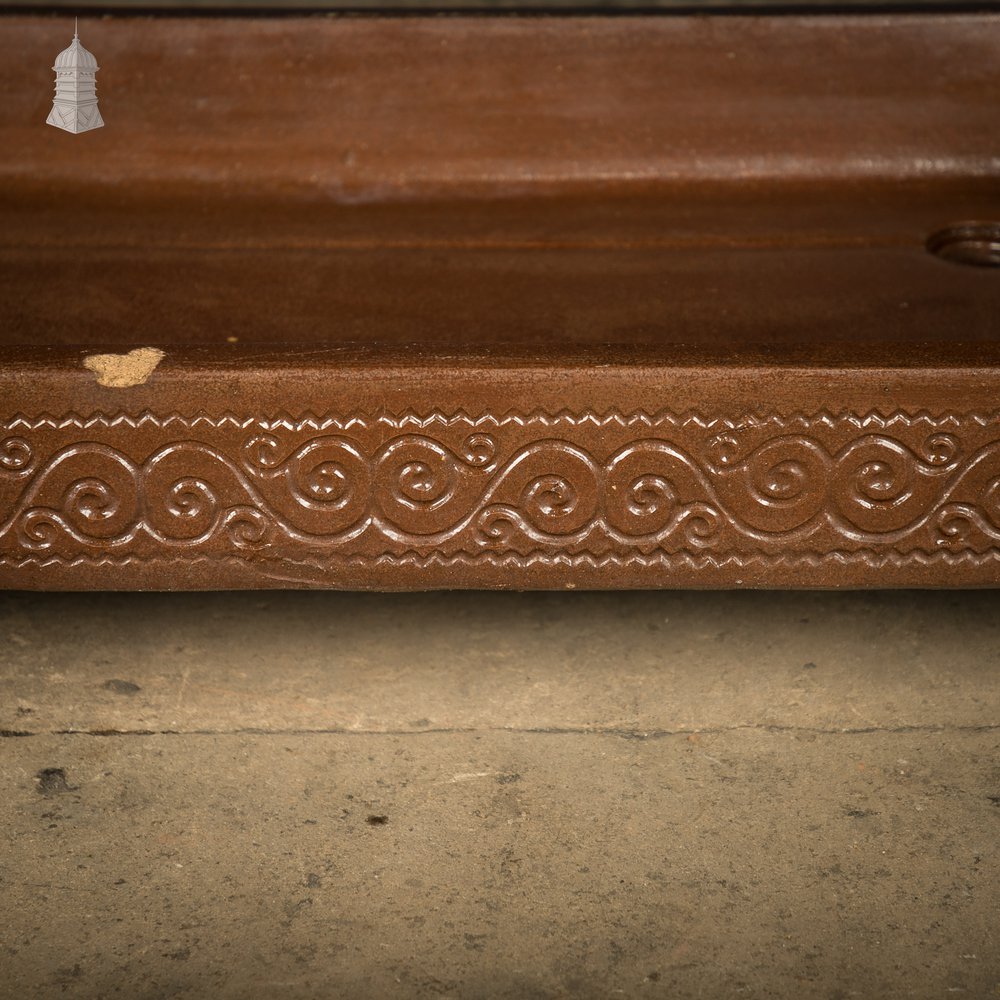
<point>405,302</point>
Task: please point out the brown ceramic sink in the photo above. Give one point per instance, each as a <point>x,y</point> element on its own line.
<point>504,302</point>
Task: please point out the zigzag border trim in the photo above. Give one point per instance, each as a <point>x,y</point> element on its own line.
<point>409,418</point>
<point>869,557</point>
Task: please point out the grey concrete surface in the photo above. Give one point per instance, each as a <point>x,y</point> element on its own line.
<point>500,795</point>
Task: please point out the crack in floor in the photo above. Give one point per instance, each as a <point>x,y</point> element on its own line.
<point>628,734</point>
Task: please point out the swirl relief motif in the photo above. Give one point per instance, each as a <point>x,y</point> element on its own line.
<point>615,486</point>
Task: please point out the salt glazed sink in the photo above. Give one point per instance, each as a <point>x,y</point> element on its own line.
<point>554,302</point>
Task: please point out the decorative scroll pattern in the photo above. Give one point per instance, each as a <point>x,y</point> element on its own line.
<point>552,487</point>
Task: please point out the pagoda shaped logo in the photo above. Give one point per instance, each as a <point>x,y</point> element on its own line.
<point>75,106</point>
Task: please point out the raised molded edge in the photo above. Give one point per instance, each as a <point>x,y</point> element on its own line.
<point>502,499</point>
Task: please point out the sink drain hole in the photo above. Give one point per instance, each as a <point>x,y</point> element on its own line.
<point>976,243</point>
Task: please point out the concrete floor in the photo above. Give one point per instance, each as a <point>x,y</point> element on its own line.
<point>500,795</point>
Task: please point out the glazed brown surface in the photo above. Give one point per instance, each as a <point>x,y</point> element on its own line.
<point>550,299</point>
<point>468,181</point>
<point>350,111</point>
